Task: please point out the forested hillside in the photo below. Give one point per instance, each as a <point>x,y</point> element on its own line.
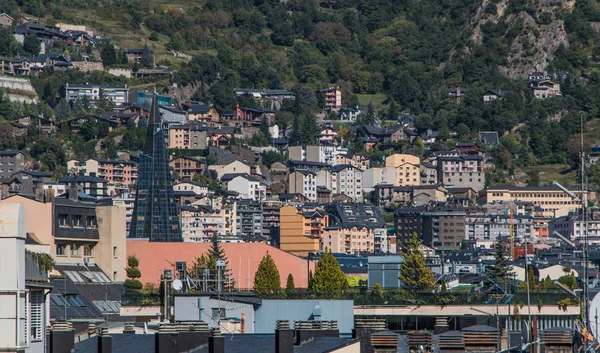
<point>403,53</point>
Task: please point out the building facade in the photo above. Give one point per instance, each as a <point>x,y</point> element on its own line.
<point>117,93</point>
<point>301,229</point>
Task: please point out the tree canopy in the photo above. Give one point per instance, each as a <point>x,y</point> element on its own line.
<point>414,273</point>
<point>266,279</point>
<point>328,281</point>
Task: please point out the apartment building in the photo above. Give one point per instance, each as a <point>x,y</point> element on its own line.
<point>355,228</point>
<point>270,218</point>
<point>127,201</point>
<point>303,182</point>
<point>343,179</point>
<point>247,187</point>
<point>571,227</point>
<point>187,167</point>
<point>417,195</point>
<point>235,167</point>
<point>321,154</point>
<point>11,162</point>
<point>356,160</point>
<point>79,231</point>
<point>118,94</point>
<point>429,175</point>
<point>301,229</point>
<point>209,115</point>
<point>485,226</point>
<point>249,223</point>
<point>553,201</point>
<point>88,184</point>
<point>398,159</point>
<point>197,188</point>
<point>201,223</point>
<point>114,171</point>
<point>333,99</point>
<point>379,175</point>
<point>462,171</point>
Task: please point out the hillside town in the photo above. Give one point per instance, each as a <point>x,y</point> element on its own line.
<point>139,216</point>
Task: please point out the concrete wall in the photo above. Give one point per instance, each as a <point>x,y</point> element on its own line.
<point>193,308</point>
<point>301,310</point>
<point>16,83</point>
<point>112,230</point>
<point>12,271</point>
<point>42,214</point>
<point>87,66</point>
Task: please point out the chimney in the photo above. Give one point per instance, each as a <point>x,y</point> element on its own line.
<point>284,337</point>
<point>73,190</point>
<point>363,328</point>
<point>306,330</point>
<point>62,337</point>
<point>104,342</point>
<point>216,343</point>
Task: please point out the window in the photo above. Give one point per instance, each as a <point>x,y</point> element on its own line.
<point>90,222</point>
<point>77,221</point>
<point>63,220</point>
<point>114,251</point>
<point>60,249</point>
<point>36,305</point>
<point>87,250</point>
<point>74,250</point>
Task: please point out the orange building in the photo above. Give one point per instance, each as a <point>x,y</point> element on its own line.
<point>301,230</point>
<point>243,260</point>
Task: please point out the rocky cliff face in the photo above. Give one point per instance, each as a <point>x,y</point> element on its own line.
<point>540,32</point>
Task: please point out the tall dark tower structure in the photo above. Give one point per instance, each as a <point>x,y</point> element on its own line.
<point>155,214</point>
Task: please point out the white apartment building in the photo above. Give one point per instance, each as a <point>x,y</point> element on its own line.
<point>247,186</point>
<point>303,182</point>
<point>343,179</point>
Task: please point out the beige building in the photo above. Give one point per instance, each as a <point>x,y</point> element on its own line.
<point>115,171</point>
<point>301,229</point>
<point>79,232</point>
<point>553,201</point>
<point>359,161</point>
<point>235,167</point>
<point>227,211</point>
<point>200,223</point>
<point>352,240</point>
<point>398,159</point>
<point>333,99</point>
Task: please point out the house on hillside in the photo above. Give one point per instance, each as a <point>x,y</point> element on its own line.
<point>545,89</point>
<point>493,95</point>
<point>6,20</point>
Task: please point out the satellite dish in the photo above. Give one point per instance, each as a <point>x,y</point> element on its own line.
<point>177,284</point>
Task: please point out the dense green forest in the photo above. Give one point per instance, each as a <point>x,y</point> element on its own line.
<point>409,52</point>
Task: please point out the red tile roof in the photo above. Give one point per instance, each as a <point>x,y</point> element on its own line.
<point>243,260</point>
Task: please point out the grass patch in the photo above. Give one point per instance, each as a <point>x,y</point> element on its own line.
<point>376,99</point>
<point>555,172</point>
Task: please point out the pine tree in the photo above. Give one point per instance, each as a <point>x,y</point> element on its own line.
<point>215,254</point>
<point>501,268</point>
<point>147,60</point>
<point>369,117</point>
<point>266,279</point>
<point>133,273</point>
<point>290,287</point>
<point>308,130</point>
<point>62,110</point>
<point>414,274</point>
<point>295,135</point>
<point>392,113</point>
<point>264,127</point>
<point>328,281</point>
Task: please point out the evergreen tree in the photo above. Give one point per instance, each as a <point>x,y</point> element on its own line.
<point>369,117</point>
<point>264,127</point>
<point>105,104</point>
<point>215,254</point>
<point>6,107</point>
<point>295,135</point>
<point>414,274</point>
<point>31,45</point>
<point>328,281</point>
<point>392,113</point>
<point>377,294</point>
<point>501,268</point>
<point>308,130</point>
<point>62,110</point>
<point>147,59</point>
<point>266,279</point>
<point>108,55</point>
<point>133,273</point>
<point>290,286</point>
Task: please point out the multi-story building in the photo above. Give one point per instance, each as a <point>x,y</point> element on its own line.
<point>428,173</point>
<point>462,171</point>
<point>408,221</point>
<point>187,167</point>
<point>328,136</point>
<point>114,171</point>
<point>486,226</point>
<point>417,195</point>
<point>355,228</point>
<point>553,201</point>
<point>197,188</point>
<point>126,200</point>
<point>343,179</point>
<point>272,98</point>
<point>203,113</point>
<point>271,219</point>
<point>88,184</point>
<point>572,227</point>
<point>359,161</point>
<point>247,187</point>
<point>172,116</point>
<point>249,223</point>
<point>235,167</point>
<point>303,182</point>
<point>201,223</point>
<point>398,159</point>
<point>11,162</point>
<point>321,154</point>
<point>301,229</point>
<point>78,231</point>
<point>118,94</point>
<point>333,99</point>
